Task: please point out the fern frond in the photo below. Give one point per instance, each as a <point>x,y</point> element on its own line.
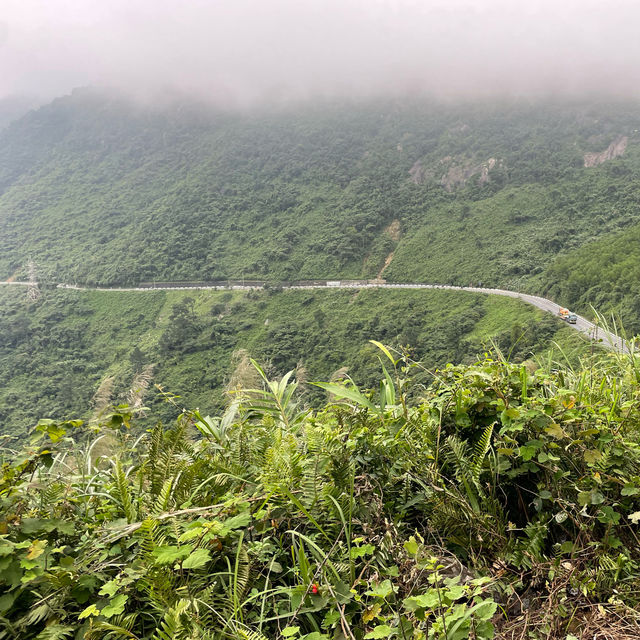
<point>123,492</point>
<point>36,615</point>
<point>103,630</point>
<point>55,632</point>
<point>248,634</point>
<point>480,452</point>
<point>173,626</point>
<point>163,500</point>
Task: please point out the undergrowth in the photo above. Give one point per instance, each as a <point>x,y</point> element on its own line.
<point>500,499</point>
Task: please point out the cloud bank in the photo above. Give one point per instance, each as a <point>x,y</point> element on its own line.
<point>243,51</point>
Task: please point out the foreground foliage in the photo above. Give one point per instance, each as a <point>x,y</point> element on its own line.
<point>506,495</point>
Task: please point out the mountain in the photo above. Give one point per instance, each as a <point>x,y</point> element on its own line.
<point>97,189</point>
<point>14,107</point>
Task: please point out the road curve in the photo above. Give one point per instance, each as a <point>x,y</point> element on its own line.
<point>607,339</point>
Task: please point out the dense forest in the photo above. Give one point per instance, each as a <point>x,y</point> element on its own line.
<point>485,501</point>
<point>97,189</point>
<point>58,352</point>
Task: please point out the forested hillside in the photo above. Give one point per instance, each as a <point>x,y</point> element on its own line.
<point>603,274</point>
<point>96,189</point>
<point>58,352</point>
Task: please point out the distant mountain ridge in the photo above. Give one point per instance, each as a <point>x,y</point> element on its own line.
<point>14,107</point>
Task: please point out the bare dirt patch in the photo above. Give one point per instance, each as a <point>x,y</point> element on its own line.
<point>394,231</point>
<point>387,262</point>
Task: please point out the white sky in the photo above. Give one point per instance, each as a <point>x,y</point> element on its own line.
<point>245,50</point>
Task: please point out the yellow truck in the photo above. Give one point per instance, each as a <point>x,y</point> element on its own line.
<point>567,316</point>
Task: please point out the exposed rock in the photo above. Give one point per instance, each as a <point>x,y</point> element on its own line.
<point>418,173</point>
<point>615,149</point>
<point>457,175</point>
<point>457,172</point>
<point>485,168</point>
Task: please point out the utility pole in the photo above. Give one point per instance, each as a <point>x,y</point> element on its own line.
<point>33,292</point>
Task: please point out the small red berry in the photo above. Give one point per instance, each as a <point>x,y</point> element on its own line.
<point>314,589</point>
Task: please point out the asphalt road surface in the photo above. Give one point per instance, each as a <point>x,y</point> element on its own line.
<point>607,339</point>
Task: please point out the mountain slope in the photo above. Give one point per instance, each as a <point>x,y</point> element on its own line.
<point>54,354</point>
<point>96,189</point>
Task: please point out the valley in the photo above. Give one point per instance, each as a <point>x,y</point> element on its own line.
<point>55,353</point>
<point>376,378</point>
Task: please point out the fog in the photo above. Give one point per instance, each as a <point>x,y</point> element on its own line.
<point>247,51</point>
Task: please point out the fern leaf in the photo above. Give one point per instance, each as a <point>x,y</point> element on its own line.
<point>481,450</point>
<point>55,632</point>
<point>123,492</point>
<point>173,626</point>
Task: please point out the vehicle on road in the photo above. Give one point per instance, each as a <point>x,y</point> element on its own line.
<point>564,314</point>
<point>572,318</point>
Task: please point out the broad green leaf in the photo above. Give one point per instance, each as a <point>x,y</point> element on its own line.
<point>115,606</point>
<point>191,534</point>
<point>287,632</point>
<point>198,558</point>
<point>364,550</point>
<point>167,554</point>
<point>634,517</point>
<point>592,456</point>
<point>485,610</point>
<point>590,497</point>
<point>381,631</point>
<point>527,452</point>
<point>411,546</point>
<point>91,610</point>
<point>429,600</point>
<point>109,588</point>
<point>36,549</point>
<point>237,522</point>
<point>556,431</point>
<point>455,592</point>
<point>371,613</point>
<point>382,590</point>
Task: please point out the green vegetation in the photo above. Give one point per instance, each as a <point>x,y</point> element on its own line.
<point>95,189</point>
<point>604,274</point>
<point>487,500</point>
<point>56,353</point>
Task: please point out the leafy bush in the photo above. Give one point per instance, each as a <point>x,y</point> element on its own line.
<point>373,517</point>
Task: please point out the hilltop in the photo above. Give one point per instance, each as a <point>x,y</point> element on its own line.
<point>476,502</point>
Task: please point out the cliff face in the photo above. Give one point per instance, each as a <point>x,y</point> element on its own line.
<point>458,174</point>
<point>615,149</point>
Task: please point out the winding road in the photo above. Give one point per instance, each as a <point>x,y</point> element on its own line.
<point>606,338</point>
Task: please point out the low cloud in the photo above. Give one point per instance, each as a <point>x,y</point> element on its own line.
<point>243,51</point>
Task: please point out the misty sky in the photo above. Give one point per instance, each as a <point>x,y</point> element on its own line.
<point>245,50</point>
